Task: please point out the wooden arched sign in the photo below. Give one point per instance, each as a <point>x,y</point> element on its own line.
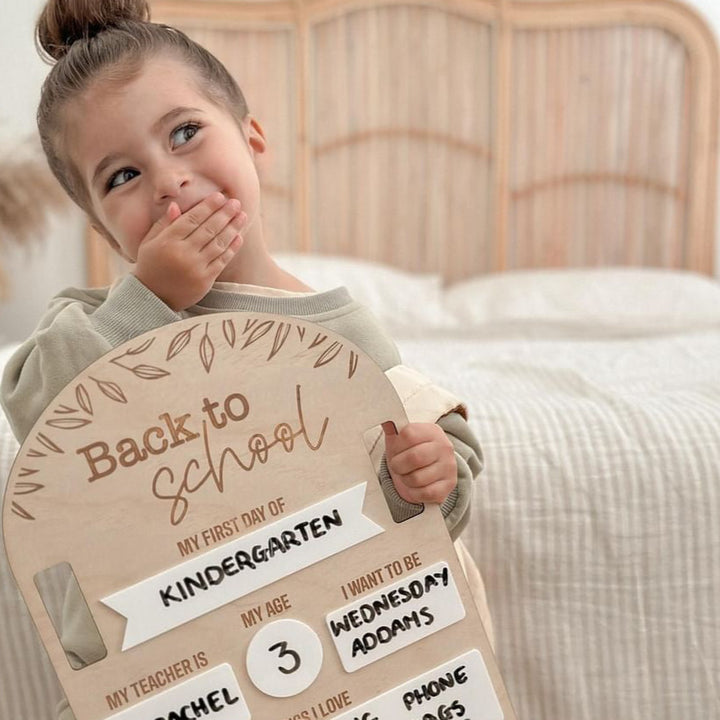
<point>209,488</point>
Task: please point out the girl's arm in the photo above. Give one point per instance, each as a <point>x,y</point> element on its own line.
<point>79,327</point>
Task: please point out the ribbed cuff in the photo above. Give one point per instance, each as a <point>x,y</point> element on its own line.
<point>455,514</point>
<point>400,509</point>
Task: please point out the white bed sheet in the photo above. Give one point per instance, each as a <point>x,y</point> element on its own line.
<point>596,398</point>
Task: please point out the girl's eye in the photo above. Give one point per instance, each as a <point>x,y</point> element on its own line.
<point>184,134</point>
<point>121,177</point>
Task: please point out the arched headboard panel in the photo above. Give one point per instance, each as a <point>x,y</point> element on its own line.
<point>474,136</point>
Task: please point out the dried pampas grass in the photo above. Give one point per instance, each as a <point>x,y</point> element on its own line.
<point>28,194</point>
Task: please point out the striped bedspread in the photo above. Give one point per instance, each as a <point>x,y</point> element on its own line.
<point>597,519</point>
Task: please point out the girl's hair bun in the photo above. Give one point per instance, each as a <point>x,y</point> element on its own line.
<point>63,22</point>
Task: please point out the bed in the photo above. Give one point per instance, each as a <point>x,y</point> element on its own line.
<point>524,193</point>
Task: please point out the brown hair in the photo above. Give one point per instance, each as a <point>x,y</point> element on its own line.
<point>111,39</point>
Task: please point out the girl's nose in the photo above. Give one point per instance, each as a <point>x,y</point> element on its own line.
<point>169,183</point>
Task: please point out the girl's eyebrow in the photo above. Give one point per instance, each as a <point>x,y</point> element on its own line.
<point>162,120</point>
<point>172,114</point>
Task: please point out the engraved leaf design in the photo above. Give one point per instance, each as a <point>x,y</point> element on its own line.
<point>207,351</point>
<point>111,390</point>
<point>24,472</point>
<point>65,410</point>
<point>228,328</point>
<point>149,372</point>
<point>280,337</point>
<point>179,343</point>
<point>301,331</point>
<point>353,363</point>
<point>319,338</point>
<point>83,398</point>
<point>35,453</point>
<point>68,423</point>
<point>21,511</point>
<point>49,444</point>
<point>141,348</point>
<point>329,354</point>
<point>25,488</point>
<point>259,331</point>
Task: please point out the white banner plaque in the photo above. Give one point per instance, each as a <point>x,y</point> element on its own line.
<point>396,616</point>
<point>460,688</point>
<point>214,695</point>
<point>242,566</point>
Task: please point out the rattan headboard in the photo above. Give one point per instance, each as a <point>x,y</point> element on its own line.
<point>471,136</point>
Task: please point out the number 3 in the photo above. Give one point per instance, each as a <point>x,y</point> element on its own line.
<point>277,669</point>
<point>283,648</point>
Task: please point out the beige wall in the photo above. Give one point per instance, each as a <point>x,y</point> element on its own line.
<point>55,261</point>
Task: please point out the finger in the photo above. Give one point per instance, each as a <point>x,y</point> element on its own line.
<point>392,446</point>
<point>414,458</point>
<point>435,491</point>
<point>423,477</point>
<point>214,224</point>
<point>217,265</point>
<point>172,213</point>
<point>389,428</point>
<point>410,435</point>
<point>415,433</point>
<point>200,213</point>
<point>218,244</point>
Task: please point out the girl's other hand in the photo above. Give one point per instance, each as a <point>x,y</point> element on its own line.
<point>183,253</point>
<point>421,461</point>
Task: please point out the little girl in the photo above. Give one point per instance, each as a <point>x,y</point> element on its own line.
<point>151,136</point>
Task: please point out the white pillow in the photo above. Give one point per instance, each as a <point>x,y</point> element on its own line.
<point>624,300</point>
<point>403,301</point>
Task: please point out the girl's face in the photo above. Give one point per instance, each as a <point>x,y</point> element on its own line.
<point>157,139</point>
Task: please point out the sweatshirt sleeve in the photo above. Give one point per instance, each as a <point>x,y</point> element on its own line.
<point>79,328</point>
